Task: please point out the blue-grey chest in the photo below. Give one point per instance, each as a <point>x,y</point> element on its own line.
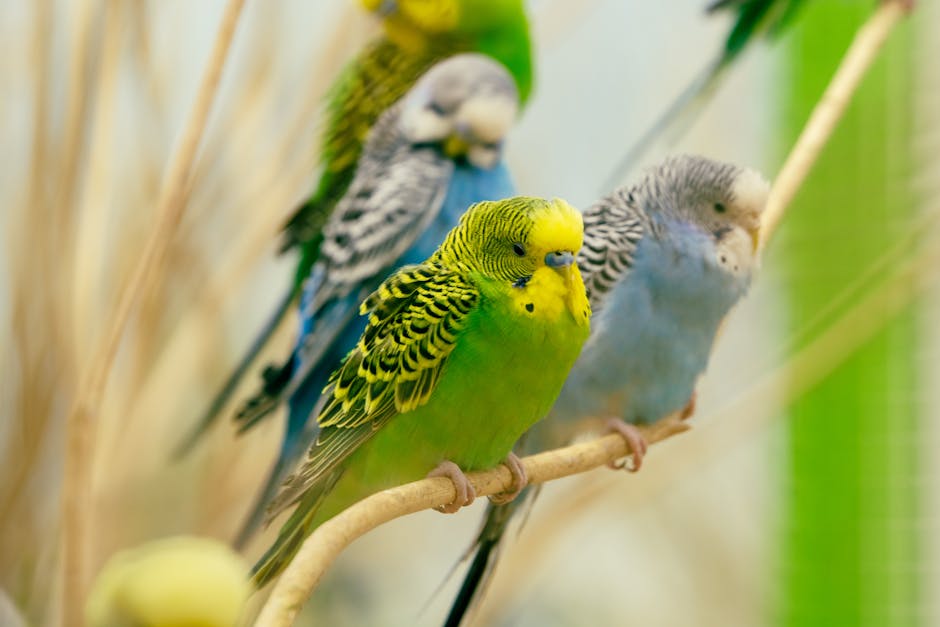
<point>652,336</point>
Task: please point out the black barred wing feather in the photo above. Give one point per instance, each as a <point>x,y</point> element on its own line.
<point>398,190</point>
<point>415,319</point>
<point>368,86</point>
<point>613,227</point>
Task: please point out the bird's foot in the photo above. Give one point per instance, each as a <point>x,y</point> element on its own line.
<point>689,409</point>
<point>519,481</point>
<point>465,492</point>
<point>635,441</point>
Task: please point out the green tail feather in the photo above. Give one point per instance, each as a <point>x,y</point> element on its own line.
<point>294,532</point>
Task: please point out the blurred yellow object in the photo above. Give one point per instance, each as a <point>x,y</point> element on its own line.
<point>181,581</point>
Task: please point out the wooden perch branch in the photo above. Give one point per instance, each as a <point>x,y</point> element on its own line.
<point>81,422</point>
<point>333,536</point>
<point>323,546</point>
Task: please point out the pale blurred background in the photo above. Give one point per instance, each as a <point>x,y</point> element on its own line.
<point>789,503</point>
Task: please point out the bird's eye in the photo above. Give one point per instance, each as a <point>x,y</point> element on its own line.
<point>437,108</point>
<point>519,249</point>
<point>720,208</point>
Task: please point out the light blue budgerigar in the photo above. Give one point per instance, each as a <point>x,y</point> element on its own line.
<point>429,157</point>
<point>663,261</point>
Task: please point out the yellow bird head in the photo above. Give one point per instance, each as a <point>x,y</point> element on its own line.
<point>529,245</point>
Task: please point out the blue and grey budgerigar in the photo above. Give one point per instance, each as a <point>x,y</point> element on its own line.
<point>663,261</point>
<point>430,156</point>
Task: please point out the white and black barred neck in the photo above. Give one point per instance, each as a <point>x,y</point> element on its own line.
<point>613,227</point>
<point>717,197</point>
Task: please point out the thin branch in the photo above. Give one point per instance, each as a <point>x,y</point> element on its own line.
<point>319,551</point>
<point>81,423</point>
<point>828,111</point>
<point>333,536</point>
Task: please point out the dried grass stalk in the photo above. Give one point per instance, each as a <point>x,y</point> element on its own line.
<point>81,422</point>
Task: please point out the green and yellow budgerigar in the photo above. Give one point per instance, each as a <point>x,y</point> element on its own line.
<point>182,581</point>
<point>417,34</point>
<point>460,356</point>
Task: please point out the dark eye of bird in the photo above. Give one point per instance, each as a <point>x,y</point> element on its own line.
<point>720,208</point>
<point>437,108</point>
<point>519,249</point>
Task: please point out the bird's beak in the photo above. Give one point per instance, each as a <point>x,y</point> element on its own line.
<point>755,238</point>
<point>455,145</point>
<point>559,259</point>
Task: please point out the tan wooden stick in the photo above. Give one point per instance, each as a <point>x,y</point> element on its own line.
<point>828,111</point>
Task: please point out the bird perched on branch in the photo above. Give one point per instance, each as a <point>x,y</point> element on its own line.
<point>171,582</point>
<point>417,34</point>
<point>461,355</point>
<point>428,158</point>
<point>664,261</point>
<point>752,19</point>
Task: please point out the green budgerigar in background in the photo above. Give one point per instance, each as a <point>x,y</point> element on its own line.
<point>417,34</point>
<point>171,582</point>
<point>460,356</point>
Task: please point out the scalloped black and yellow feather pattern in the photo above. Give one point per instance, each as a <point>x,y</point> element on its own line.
<point>416,317</point>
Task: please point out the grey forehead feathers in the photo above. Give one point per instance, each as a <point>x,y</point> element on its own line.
<point>459,77</point>
<point>682,174</point>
